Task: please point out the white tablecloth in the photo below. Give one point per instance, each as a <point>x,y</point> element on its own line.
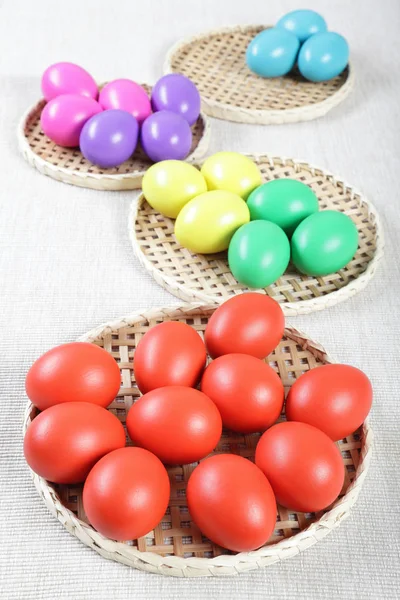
<point>67,266</point>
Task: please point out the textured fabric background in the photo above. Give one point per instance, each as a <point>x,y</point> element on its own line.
<point>67,265</point>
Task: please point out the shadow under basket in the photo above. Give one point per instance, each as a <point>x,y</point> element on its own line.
<point>176,546</point>
<point>70,166</point>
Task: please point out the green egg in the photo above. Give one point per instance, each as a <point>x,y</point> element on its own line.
<point>285,202</point>
<point>258,254</point>
<point>324,243</point>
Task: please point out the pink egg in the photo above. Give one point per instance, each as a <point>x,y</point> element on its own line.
<point>63,117</point>
<point>126,95</point>
<point>67,78</point>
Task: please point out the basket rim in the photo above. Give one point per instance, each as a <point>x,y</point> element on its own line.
<point>289,308</point>
<point>221,110</point>
<point>224,564</point>
<point>67,175</point>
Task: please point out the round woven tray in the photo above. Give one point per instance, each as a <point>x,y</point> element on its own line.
<point>207,278</point>
<point>176,546</point>
<point>215,62</point>
<point>69,165</point>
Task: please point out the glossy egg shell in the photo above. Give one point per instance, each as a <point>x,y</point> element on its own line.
<point>245,324</point>
<point>178,424</point>
<point>304,467</point>
<point>65,441</point>
<point>303,23</point>
<point>207,223</point>
<point>247,392</point>
<point>285,202</point>
<point>124,94</point>
<point>170,184</point>
<point>126,494</point>
<point>63,118</point>
<point>231,502</point>
<point>324,243</point>
<point>74,372</point>
<point>177,93</point>
<point>335,398</point>
<point>323,56</point>
<point>67,78</point>
<point>166,135</point>
<point>170,353</point>
<point>258,254</point>
<point>272,53</point>
<point>231,171</point>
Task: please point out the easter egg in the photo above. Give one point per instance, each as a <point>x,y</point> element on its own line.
<point>126,494</point>
<point>178,424</point>
<point>165,135</point>
<point>63,118</point>
<point>207,223</point>
<point>303,23</point>
<point>177,93</point>
<point>303,465</point>
<point>323,56</point>
<point>125,94</point>
<point>334,398</point>
<point>109,138</point>
<point>272,53</point>
<point>324,243</point>
<point>171,353</point>
<point>232,172</point>
<point>285,202</point>
<point>74,372</point>
<point>170,184</point>
<point>258,254</point>
<point>68,78</point>
<point>248,323</point>
<point>231,502</point>
<point>65,441</point>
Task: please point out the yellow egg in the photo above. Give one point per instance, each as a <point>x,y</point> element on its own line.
<point>168,185</point>
<point>231,171</point>
<point>207,223</point>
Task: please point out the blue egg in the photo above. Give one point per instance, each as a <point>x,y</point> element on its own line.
<point>303,23</point>
<point>272,53</point>
<point>323,56</point>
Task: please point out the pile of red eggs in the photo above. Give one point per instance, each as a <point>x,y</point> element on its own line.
<point>232,500</point>
<point>107,124</point>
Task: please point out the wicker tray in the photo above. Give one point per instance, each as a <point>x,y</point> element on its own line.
<point>69,166</point>
<point>176,546</point>
<point>207,278</point>
<point>215,62</point>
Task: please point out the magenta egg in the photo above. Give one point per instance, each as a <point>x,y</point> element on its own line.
<point>124,94</point>
<point>63,118</point>
<point>68,78</point>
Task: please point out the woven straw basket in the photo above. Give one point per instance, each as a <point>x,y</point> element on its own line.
<point>176,546</point>
<point>207,278</point>
<point>69,165</point>
<point>215,62</point>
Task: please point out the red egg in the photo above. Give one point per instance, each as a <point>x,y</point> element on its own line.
<point>302,464</point>
<point>335,398</point>
<point>171,353</point>
<point>231,502</point>
<point>245,324</point>
<point>65,441</point>
<point>178,424</point>
<point>247,392</point>
<point>75,372</point>
<point>126,494</point>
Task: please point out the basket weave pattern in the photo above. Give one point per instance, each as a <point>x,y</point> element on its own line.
<point>176,546</point>
<point>207,278</point>
<point>70,166</point>
<point>215,62</point>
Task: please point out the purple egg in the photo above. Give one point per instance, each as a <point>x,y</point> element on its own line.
<point>110,140</point>
<point>178,94</point>
<point>166,135</point>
